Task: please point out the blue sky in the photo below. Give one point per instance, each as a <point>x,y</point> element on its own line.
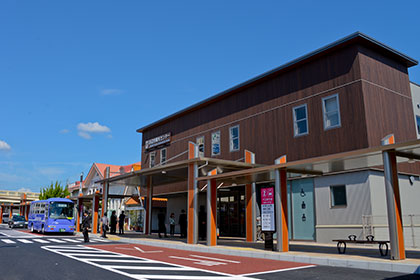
<point>77,78</point>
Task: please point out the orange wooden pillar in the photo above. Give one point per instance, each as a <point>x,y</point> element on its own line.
<point>79,213</point>
<point>105,191</point>
<point>149,206</point>
<point>1,213</point>
<point>250,202</point>
<point>192,227</point>
<point>11,211</point>
<point>280,195</point>
<point>95,212</point>
<point>28,207</point>
<point>211,210</point>
<point>393,201</point>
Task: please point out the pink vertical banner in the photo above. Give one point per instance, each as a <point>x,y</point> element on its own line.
<point>267,209</point>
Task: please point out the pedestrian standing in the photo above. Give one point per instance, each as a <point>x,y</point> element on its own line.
<point>183,223</point>
<point>121,220</point>
<point>104,226</point>
<point>86,225</point>
<point>172,224</point>
<point>113,223</point>
<point>161,223</point>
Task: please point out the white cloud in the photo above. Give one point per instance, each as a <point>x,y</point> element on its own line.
<point>85,129</point>
<point>84,135</point>
<point>4,146</point>
<point>64,131</point>
<point>111,91</point>
<point>24,190</point>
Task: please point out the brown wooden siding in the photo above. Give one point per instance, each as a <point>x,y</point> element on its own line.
<point>264,111</point>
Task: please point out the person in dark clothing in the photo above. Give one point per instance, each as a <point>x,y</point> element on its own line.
<point>202,217</point>
<point>121,220</point>
<point>86,221</point>
<point>183,223</point>
<point>161,223</point>
<point>113,224</point>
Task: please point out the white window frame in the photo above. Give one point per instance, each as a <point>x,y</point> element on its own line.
<point>161,157</point>
<point>324,113</point>
<point>231,139</point>
<point>150,159</point>
<point>212,143</point>
<point>204,145</point>
<point>295,127</point>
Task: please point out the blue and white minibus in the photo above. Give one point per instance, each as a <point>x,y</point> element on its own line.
<point>52,215</point>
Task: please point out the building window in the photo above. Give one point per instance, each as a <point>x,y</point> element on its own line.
<point>200,143</point>
<point>418,123</point>
<point>152,159</point>
<point>331,110</point>
<point>300,120</point>
<point>234,138</point>
<point>163,156</point>
<point>215,143</point>
<point>338,195</point>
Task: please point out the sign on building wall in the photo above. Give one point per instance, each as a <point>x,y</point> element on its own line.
<point>157,141</point>
<point>267,209</point>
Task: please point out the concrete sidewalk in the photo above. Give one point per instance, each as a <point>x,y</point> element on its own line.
<point>361,257</point>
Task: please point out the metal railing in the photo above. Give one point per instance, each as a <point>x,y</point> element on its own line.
<point>377,225</point>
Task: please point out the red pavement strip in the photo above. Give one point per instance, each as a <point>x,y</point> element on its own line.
<point>233,265</point>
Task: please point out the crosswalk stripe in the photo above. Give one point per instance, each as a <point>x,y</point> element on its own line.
<point>72,240</point>
<point>8,241</point>
<point>149,267</point>
<point>41,240</point>
<point>183,277</point>
<point>100,240</point>
<point>56,240</point>
<point>24,240</point>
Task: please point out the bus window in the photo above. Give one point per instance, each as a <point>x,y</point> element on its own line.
<point>61,210</point>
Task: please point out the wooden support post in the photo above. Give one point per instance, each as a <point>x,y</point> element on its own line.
<point>95,212</point>
<point>105,191</point>
<point>1,213</point>
<point>250,202</point>
<point>149,206</point>
<point>393,201</point>
<point>281,207</point>
<point>79,213</point>
<point>192,228</point>
<point>211,210</point>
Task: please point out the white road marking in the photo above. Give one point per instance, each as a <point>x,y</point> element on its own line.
<point>200,262</point>
<point>149,267</point>
<point>137,248</point>
<point>72,240</point>
<point>5,234</point>
<point>41,240</point>
<point>99,240</point>
<point>133,259</point>
<point>279,270</point>
<point>215,259</point>
<point>56,240</point>
<point>24,241</point>
<point>8,241</point>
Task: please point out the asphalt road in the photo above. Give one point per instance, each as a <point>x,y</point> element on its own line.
<point>112,260</point>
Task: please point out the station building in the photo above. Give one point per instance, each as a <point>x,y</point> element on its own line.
<point>337,102</point>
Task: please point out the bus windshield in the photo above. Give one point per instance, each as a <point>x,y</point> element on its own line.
<point>61,210</point>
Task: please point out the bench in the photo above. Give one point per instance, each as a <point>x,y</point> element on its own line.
<point>342,244</point>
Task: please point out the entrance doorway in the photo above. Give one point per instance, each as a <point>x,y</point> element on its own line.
<point>231,211</point>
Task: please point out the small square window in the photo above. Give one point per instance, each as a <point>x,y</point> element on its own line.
<point>338,195</point>
<point>300,120</point>
<point>215,143</point>
<point>234,138</point>
<point>331,111</point>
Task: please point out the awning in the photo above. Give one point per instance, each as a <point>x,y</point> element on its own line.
<point>347,161</point>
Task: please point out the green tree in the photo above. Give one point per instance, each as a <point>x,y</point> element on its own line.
<point>53,190</point>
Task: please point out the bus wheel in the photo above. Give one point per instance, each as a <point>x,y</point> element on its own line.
<point>32,228</point>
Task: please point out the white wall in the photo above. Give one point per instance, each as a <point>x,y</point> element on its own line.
<point>338,223</point>
<point>415,95</point>
<point>410,208</point>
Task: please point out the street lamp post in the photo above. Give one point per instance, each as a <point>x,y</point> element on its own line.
<point>81,182</point>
